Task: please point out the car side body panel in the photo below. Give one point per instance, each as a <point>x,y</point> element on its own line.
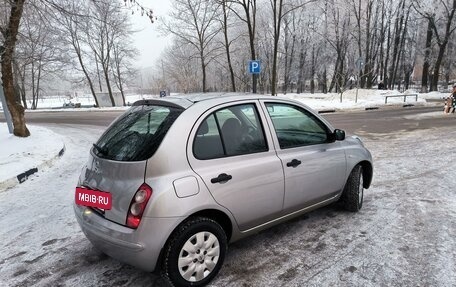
<point>357,154</point>
<point>255,193</point>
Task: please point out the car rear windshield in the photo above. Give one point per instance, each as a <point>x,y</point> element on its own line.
<point>136,135</point>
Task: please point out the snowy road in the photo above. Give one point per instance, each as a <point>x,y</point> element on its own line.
<point>404,235</point>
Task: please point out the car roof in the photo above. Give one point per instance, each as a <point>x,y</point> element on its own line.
<point>187,100</point>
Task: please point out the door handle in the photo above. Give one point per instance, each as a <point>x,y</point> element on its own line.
<point>293,163</point>
<point>223,177</point>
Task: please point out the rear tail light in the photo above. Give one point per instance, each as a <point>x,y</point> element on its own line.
<point>137,205</point>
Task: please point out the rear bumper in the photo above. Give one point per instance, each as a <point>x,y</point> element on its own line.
<point>138,247</point>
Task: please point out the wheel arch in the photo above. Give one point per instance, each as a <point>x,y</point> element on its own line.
<point>220,217</point>
<point>368,173</point>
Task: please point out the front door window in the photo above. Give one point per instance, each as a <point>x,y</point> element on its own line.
<point>296,127</point>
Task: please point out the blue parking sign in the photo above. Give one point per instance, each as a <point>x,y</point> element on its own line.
<point>254,67</point>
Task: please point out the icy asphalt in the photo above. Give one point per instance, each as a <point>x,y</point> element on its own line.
<point>405,234</point>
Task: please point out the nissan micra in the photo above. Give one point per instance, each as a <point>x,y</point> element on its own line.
<point>174,180</point>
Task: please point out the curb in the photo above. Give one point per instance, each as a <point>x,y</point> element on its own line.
<point>327,111</point>
<point>22,177</point>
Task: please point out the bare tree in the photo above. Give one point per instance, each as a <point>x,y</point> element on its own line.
<point>122,69</point>
<point>443,26</point>
<point>340,44</point>
<point>225,6</point>
<point>194,23</point>
<point>72,26</point>
<point>289,48</point>
<point>427,55</point>
<point>280,10</point>
<point>101,33</point>
<point>182,67</point>
<point>40,50</point>
<point>9,31</point>
<point>249,11</point>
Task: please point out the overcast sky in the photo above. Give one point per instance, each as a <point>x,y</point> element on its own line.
<point>149,41</point>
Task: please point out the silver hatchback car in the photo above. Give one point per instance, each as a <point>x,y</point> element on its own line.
<point>172,181</point>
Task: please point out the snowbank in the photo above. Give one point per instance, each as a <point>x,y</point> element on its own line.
<point>21,156</point>
<point>365,99</point>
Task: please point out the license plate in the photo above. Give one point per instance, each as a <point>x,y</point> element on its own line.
<point>93,198</point>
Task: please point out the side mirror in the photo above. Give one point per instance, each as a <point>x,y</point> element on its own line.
<point>339,135</point>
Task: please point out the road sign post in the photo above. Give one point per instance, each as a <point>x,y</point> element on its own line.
<point>9,122</point>
<point>359,67</point>
<point>255,67</point>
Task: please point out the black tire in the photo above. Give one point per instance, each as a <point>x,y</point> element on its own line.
<point>174,247</point>
<point>353,194</point>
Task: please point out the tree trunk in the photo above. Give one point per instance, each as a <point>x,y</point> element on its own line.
<point>302,59</point>
<point>203,69</point>
<point>98,73</point>
<point>438,63</point>
<point>387,55</point>
<point>334,77</point>
<point>9,44</point>
<point>251,26</point>
<point>286,72</point>
<point>277,11</point>
<point>289,66</point>
<point>365,82</point>
<point>227,47</point>
<point>19,84</point>
<point>33,86</point>
<point>396,48</point>
<point>312,71</point>
<point>324,85</point>
<point>108,83</point>
<point>401,48</point>
<point>77,49</point>
<point>426,65</point>
<point>86,73</point>
<point>38,80</point>
<point>119,80</point>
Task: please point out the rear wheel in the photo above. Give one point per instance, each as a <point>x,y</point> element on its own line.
<point>195,253</point>
<point>353,194</point>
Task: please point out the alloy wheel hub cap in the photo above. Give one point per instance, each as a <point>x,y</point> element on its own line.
<point>199,256</point>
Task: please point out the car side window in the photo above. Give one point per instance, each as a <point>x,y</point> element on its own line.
<point>295,126</point>
<point>207,143</point>
<point>230,131</point>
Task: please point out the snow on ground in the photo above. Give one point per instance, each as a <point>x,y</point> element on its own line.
<point>365,99</point>
<point>331,101</point>
<point>18,155</point>
<point>404,235</point>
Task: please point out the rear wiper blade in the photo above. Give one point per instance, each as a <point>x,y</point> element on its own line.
<point>100,149</point>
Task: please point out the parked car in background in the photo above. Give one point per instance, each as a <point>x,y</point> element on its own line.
<point>173,180</point>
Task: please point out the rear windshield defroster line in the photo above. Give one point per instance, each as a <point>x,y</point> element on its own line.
<point>136,135</point>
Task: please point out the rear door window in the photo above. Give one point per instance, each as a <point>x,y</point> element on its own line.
<point>136,135</point>
<point>231,131</point>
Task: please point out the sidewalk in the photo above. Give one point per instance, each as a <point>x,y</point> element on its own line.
<point>22,157</point>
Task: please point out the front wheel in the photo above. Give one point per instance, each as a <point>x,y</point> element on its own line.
<point>195,253</point>
<point>353,194</point>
